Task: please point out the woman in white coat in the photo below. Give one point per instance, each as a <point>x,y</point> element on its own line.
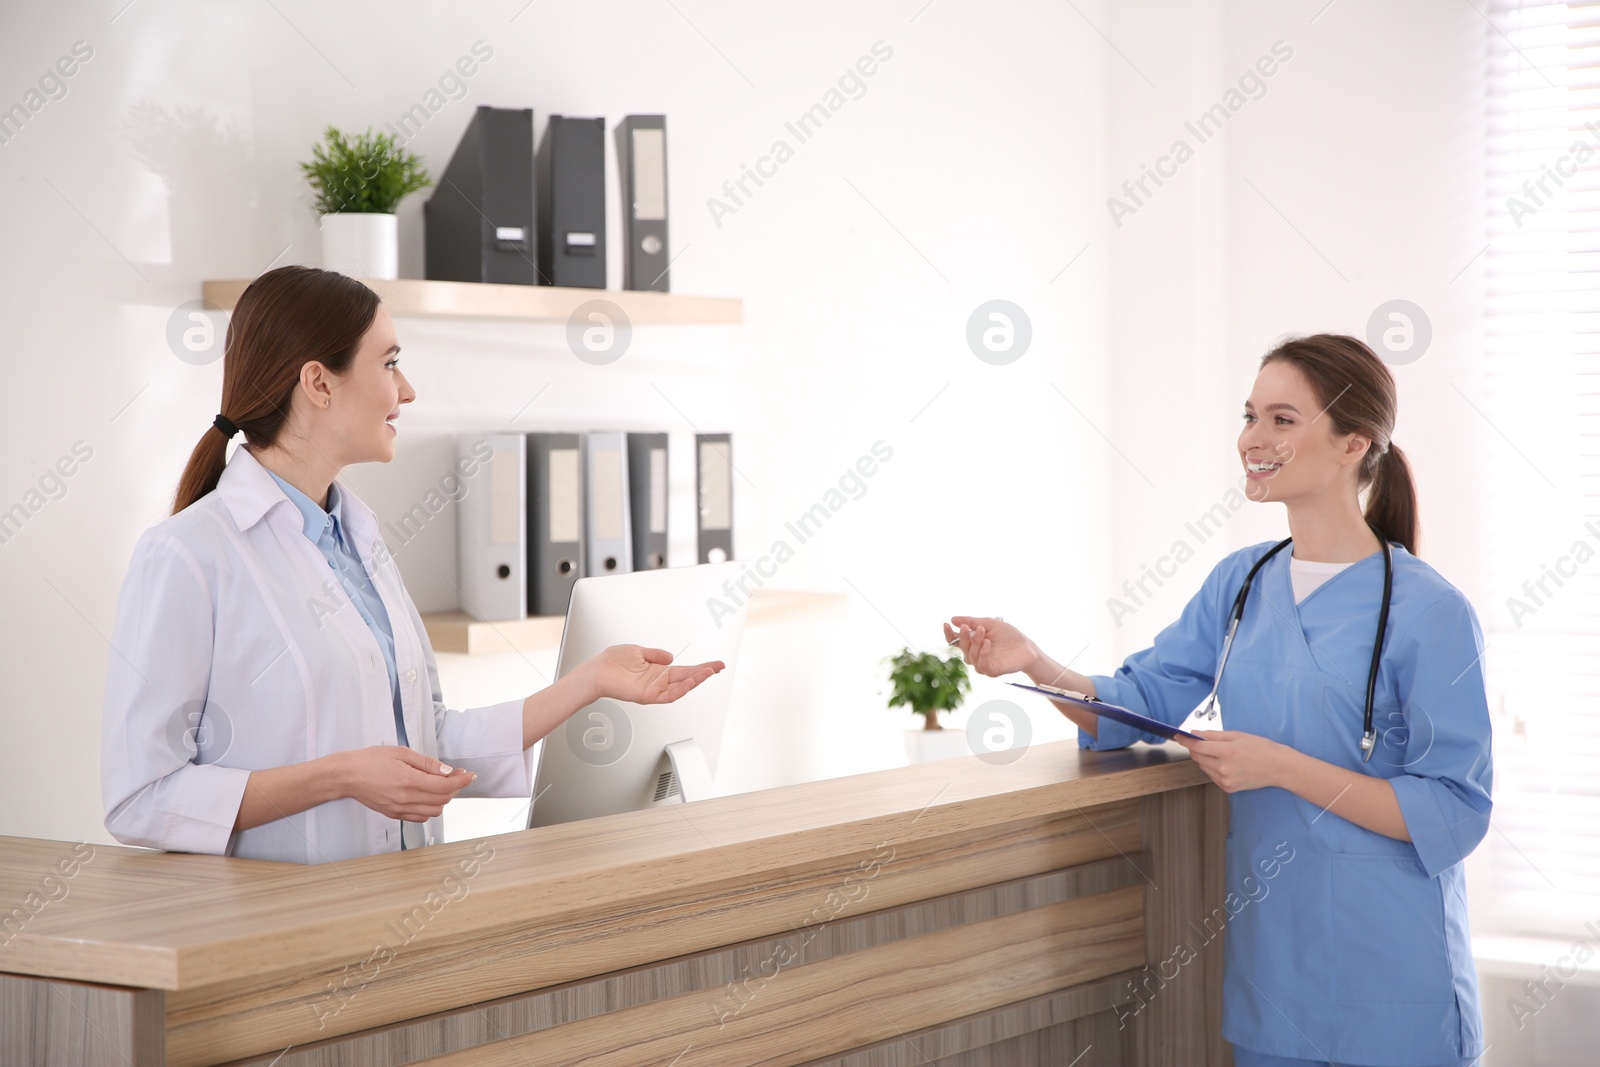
<point>271,691</point>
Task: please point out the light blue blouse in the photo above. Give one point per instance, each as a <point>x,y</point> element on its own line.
<point>325,529</point>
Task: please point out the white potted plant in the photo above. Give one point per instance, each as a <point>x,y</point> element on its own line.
<point>358,183</point>
<point>929,685</point>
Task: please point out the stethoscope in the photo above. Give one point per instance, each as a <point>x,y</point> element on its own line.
<point>1369,737</point>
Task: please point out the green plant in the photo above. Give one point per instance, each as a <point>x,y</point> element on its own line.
<point>927,683</point>
<point>370,173</point>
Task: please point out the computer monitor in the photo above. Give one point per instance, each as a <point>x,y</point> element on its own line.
<point>614,756</point>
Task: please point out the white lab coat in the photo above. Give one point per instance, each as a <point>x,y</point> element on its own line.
<point>236,650</point>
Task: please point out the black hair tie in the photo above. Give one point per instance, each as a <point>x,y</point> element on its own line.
<point>228,429</point>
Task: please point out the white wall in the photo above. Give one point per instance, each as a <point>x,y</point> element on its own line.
<point>975,166</point>
<point>1354,178</point>
<point>969,170</point>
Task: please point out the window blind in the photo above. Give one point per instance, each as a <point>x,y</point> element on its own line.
<point>1541,463</point>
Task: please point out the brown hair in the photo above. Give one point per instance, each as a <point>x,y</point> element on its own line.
<point>284,319</point>
<point>1357,394</point>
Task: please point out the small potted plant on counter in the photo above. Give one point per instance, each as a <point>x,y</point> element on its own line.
<point>929,685</point>
<point>358,182</point>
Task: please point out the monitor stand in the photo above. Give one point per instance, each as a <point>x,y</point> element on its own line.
<point>681,776</point>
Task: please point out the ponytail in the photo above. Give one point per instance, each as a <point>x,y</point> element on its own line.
<point>283,320</point>
<point>204,468</point>
<point>1392,500</point>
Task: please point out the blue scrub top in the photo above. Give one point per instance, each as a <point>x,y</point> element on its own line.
<point>1342,944</point>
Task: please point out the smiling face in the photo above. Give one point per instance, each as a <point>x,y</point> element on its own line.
<point>1288,445</point>
<point>366,398</point>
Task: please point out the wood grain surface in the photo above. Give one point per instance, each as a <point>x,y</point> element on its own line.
<point>259,957</point>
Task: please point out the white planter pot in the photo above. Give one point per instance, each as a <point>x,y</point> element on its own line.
<point>926,746</point>
<point>362,244</point>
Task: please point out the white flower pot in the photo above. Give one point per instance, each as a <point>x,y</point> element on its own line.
<point>362,244</point>
<point>927,746</point>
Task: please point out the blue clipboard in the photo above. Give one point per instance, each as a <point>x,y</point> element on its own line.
<point>1108,711</point>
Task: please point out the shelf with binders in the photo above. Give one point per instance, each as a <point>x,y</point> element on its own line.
<point>455,631</point>
<point>529,303</point>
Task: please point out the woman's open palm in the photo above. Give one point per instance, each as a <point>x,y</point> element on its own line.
<point>642,675</point>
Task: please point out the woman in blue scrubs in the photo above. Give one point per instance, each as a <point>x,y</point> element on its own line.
<point>1360,954</point>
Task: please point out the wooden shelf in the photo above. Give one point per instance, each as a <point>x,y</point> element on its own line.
<point>454,631</point>
<point>527,303</point>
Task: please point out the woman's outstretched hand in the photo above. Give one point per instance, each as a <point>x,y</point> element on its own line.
<point>642,675</point>
<point>993,646</point>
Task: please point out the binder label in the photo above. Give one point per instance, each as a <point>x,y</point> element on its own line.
<point>505,502</point>
<point>716,488</point>
<point>649,174</point>
<point>610,491</point>
<point>565,520</point>
<point>658,490</point>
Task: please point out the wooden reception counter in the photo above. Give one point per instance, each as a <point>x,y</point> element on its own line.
<point>948,913</point>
